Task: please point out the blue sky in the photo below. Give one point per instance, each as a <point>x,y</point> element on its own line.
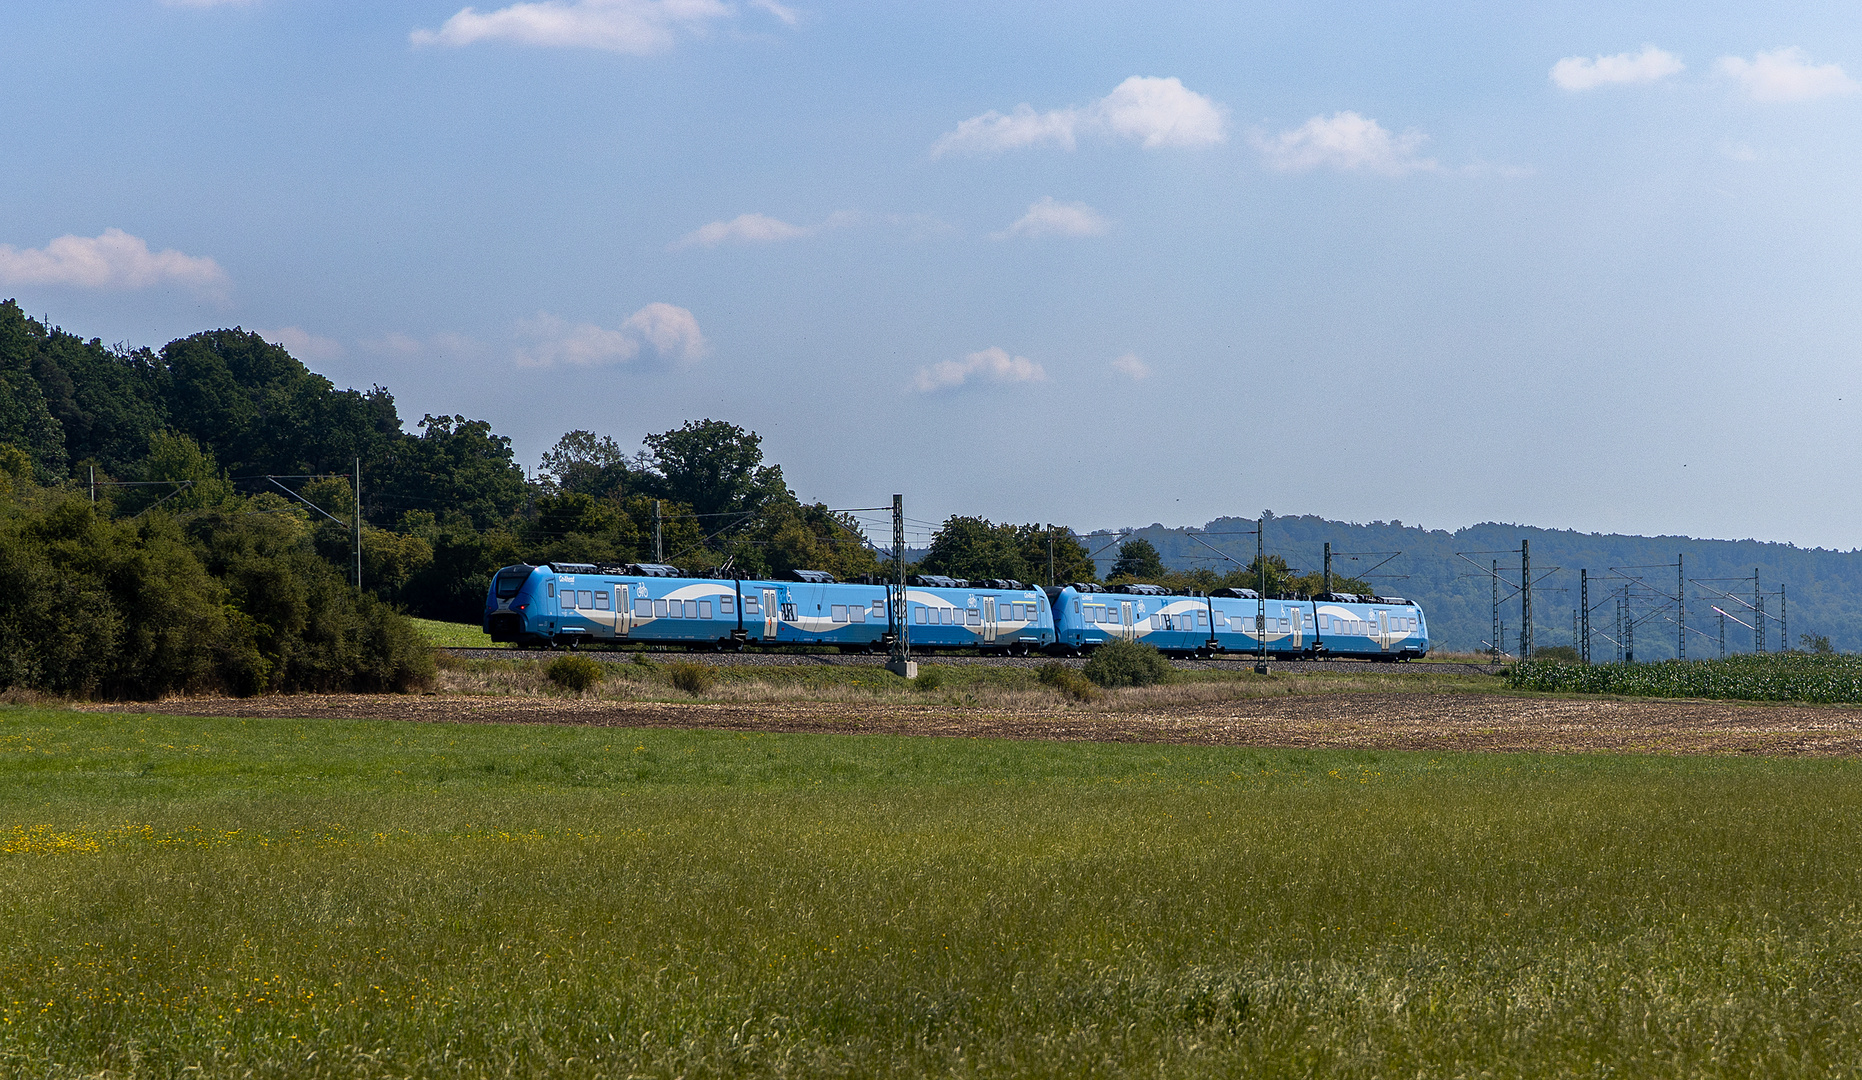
<point>1589,266</point>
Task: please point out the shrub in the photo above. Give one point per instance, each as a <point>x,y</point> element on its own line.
<point>1128,663</point>
<point>1068,681</point>
<point>576,673</point>
<point>692,678</point>
<point>929,678</point>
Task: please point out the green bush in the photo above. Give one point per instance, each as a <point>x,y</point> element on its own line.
<point>1127,663</point>
<point>1067,681</point>
<point>139,609</point>
<point>692,678</point>
<point>577,673</point>
<point>929,678</point>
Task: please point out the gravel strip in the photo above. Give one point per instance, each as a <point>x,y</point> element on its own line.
<point>788,659</point>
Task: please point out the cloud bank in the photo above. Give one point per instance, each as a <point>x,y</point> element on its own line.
<point>303,344</point>
<point>112,260</point>
<point>992,365</point>
<point>637,27</point>
<point>1155,112</point>
<point>1787,75</point>
<point>670,332</point>
<point>1347,142</point>
<point>1046,217</point>
<point>1587,73</point>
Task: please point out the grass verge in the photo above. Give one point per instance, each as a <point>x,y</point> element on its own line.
<point>450,635</point>
<point>310,898</point>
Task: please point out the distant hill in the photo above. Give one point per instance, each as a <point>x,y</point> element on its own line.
<point>1822,589</point>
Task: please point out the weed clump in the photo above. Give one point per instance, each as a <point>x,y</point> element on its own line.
<point>577,673</point>
<point>692,678</point>
<point>929,679</point>
<point>1068,681</point>
<point>1128,663</point>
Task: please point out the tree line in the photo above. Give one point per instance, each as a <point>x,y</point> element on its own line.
<point>199,499</point>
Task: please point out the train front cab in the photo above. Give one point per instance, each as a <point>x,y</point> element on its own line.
<point>507,603</point>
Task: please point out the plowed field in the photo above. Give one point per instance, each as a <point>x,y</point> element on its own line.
<point>1415,721</point>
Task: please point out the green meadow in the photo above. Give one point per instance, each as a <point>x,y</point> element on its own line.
<point>298,898</point>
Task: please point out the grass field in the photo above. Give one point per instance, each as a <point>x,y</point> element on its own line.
<point>317,898</point>
<point>452,635</point>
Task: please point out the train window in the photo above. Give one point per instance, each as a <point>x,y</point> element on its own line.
<point>643,609</point>
<point>727,605</point>
<point>704,609</point>
<point>838,613</point>
<point>918,614</point>
<point>691,609</point>
<point>856,613</point>
<point>659,609</point>
<point>975,617</point>
<point>1076,607</point>
<point>587,598</point>
<point>751,607</point>
<point>552,588</point>
<point>601,600</point>
<point>879,610</point>
<point>1202,618</point>
<point>1221,618</point>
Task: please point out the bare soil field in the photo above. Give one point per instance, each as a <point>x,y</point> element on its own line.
<point>1390,721</point>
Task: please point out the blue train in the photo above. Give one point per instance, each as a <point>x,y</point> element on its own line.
<point>560,604</point>
<point>1238,621</point>
<point>569,604</point>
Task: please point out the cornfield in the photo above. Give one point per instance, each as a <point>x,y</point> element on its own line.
<point>1765,677</point>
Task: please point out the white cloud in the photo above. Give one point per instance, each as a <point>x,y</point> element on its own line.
<point>780,11</point>
<point>624,26</point>
<point>113,260</point>
<point>671,332</point>
<point>303,344</point>
<point>1049,218</point>
<point>991,365</point>
<point>762,229</point>
<point>1347,142</point>
<point>1588,73</point>
<point>1156,112</point>
<point>742,229</point>
<point>1132,367</point>
<point>1787,75</point>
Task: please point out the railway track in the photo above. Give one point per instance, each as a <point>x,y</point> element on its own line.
<point>1233,662</point>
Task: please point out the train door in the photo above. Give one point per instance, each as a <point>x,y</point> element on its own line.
<point>1125,624</point>
<point>989,620</point>
<point>1383,630</point>
<point>623,609</point>
<point>1299,627</point>
<point>771,614</point>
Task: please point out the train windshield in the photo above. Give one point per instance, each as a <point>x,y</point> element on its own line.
<point>510,580</point>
